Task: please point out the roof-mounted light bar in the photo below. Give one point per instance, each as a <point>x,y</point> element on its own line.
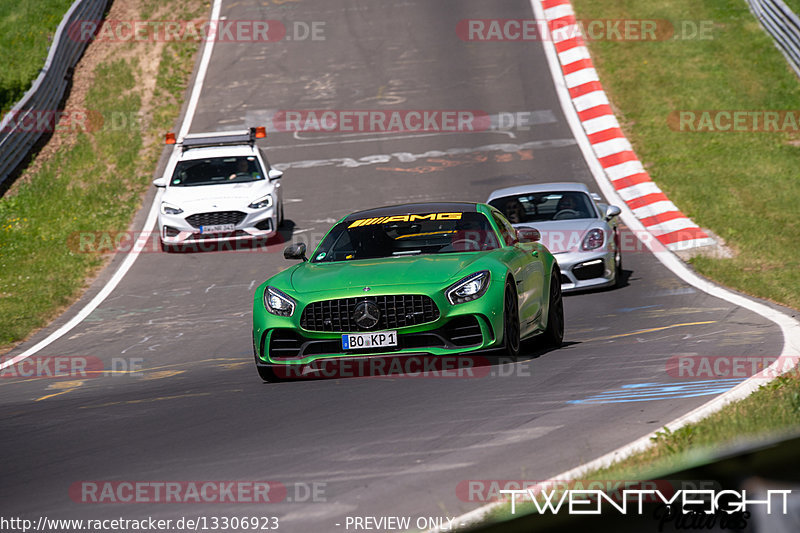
<point>218,138</point>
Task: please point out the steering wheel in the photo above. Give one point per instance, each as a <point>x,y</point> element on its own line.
<point>469,245</point>
<point>566,213</point>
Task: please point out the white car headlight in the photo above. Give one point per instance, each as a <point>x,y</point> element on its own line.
<point>470,288</point>
<point>593,240</point>
<point>278,303</point>
<point>261,203</point>
<point>169,209</point>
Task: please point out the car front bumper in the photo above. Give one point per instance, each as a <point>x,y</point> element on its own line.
<point>586,270</point>
<point>256,224</point>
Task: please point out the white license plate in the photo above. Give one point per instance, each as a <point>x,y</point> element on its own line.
<point>380,339</point>
<point>218,228</point>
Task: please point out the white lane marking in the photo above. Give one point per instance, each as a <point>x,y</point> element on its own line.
<point>407,157</point>
<point>144,235</point>
<point>789,326</point>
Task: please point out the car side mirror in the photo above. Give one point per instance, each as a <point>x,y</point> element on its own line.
<point>295,251</point>
<point>160,182</point>
<point>528,234</point>
<point>612,211</point>
<point>274,174</point>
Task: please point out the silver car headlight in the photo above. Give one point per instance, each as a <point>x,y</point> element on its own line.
<point>169,209</point>
<point>261,203</point>
<point>593,240</point>
<point>278,303</point>
<point>467,289</point>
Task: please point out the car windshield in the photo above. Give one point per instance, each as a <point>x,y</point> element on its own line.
<point>404,235</point>
<point>216,170</point>
<point>563,205</point>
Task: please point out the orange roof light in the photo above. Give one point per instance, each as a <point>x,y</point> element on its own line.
<point>169,138</point>
<point>261,132</point>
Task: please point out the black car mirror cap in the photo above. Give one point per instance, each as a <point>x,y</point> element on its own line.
<point>295,251</point>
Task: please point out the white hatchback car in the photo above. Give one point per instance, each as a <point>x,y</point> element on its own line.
<point>578,229</point>
<point>218,187</point>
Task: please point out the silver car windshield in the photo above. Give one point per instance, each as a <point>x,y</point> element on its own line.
<point>539,207</point>
<point>216,170</point>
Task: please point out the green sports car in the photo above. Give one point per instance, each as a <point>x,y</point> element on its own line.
<point>432,279</point>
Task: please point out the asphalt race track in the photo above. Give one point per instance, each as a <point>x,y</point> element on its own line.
<point>397,446</point>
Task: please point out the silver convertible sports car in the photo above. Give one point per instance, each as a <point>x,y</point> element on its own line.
<point>580,230</point>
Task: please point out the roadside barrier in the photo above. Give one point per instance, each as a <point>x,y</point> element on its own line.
<point>18,130</point>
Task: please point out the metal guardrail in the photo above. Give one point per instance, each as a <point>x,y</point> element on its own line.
<point>17,137</point>
<point>783,25</point>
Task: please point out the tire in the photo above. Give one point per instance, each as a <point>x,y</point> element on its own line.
<point>618,268</point>
<point>164,247</point>
<point>511,327</point>
<point>553,335</point>
<point>280,216</point>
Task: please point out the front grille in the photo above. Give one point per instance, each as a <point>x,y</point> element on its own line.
<point>396,312</point>
<point>565,280</point>
<point>265,225</point>
<point>463,331</point>
<point>215,236</point>
<point>284,344</point>
<point>217,217</point>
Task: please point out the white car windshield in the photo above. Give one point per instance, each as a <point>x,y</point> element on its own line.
<point>216,170</point>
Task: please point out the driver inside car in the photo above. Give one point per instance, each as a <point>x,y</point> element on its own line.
<point>569,207</point>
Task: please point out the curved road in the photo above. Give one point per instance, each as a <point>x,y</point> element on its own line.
<point>371,446</point>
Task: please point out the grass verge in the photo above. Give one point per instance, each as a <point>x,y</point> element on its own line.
<point>96,177</point>
<point>26,29</point>
<point>742,185</point>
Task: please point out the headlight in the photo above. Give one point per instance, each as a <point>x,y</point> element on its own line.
<point>470,288</point>
<point>261,203</point>
<point>169,209</point>
<point>278,303</point>
<point>593,240</point>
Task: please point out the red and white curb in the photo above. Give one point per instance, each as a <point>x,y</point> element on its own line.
<point>622,168</point>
